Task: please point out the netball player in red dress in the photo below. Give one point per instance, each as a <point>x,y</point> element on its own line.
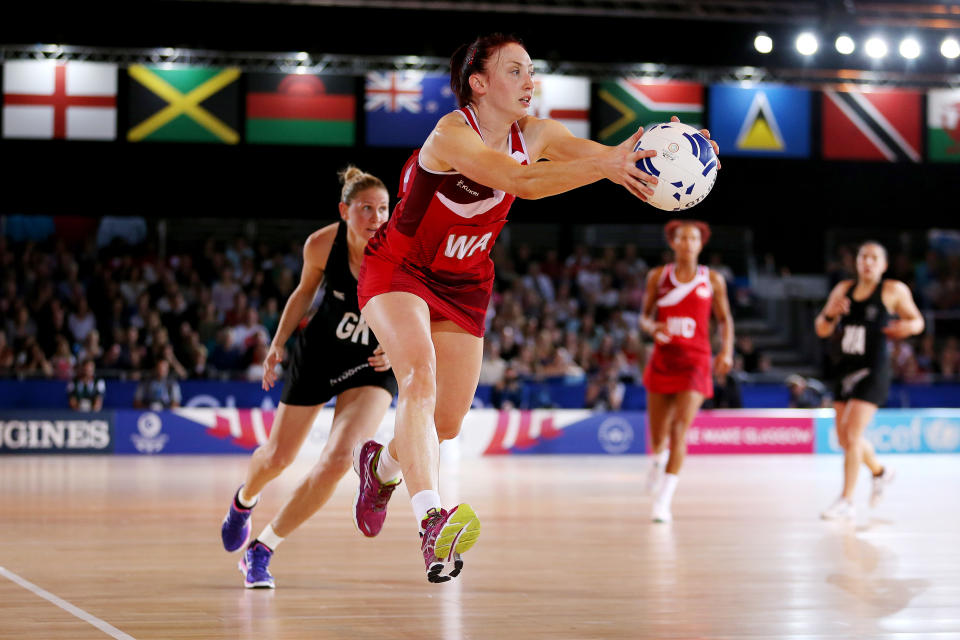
<point>676,312</point>
<point>427,275</point>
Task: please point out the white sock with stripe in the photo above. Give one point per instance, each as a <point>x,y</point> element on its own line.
<point>423,502</point>
<point>269,537</point>
<point>388,469</point>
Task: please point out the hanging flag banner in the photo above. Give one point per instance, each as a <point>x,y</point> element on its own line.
<point>402,107</point>
<point>943,125</point>
<point>762,121</point>
<point>300,109</point>
<point>47,99</point>
<point>622,106</point>
<point>871,125</point>
<point>183,104</point>
<point>565,99</point>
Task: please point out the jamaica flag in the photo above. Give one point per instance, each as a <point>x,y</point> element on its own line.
<point>301,109</point>
<point>183,104</point>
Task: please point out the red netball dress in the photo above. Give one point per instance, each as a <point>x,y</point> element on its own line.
<point>683,362</point>
<point>437,243</point>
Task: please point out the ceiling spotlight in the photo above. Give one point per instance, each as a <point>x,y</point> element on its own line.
<point>876,47</point>
<point>807,44</point>
<point>301,56</point>
<point>910,48</point>
<point>950,48</point>
<point>763,43</point>
<point>845,44</point>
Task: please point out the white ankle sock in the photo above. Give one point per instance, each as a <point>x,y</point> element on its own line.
<point>667,487</point>
<point>269,537</point>
<point>423,502</point>
<point>388,469</point>
<point>246,502</point>
<point>660,459</point>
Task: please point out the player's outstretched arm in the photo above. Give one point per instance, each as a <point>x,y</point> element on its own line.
<point>454,145</point>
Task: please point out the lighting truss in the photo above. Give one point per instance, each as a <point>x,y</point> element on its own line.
<point>293,61</point>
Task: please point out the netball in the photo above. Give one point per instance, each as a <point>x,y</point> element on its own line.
<point>685,165</point>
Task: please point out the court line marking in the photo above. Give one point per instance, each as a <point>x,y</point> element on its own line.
<point>106,627</point>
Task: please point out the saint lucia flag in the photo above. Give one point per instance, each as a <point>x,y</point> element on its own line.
<point>763,121</point>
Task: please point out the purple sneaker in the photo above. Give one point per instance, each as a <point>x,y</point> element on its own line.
<point>370,503</point>
<point>235,531</point>
<point>447,534</point>
<point>253,565</point>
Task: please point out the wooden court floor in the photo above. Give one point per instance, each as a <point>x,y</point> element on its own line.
<point>128,547</point>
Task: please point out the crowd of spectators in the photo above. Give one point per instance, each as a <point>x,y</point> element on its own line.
<point>211,313</point>
<point>207,315</point>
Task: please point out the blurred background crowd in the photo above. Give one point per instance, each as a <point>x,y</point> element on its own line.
<point>108,297</point>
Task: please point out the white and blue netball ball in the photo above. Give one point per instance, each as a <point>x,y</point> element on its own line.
<point>685,165</point>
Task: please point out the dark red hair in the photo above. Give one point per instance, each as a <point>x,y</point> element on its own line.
<point>671,228</point>
<point>472,58</point>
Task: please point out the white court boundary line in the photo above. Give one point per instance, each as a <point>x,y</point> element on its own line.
<point>107,628</point>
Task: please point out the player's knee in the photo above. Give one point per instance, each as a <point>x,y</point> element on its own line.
<point>448,427</point>
<point>276,460</point>
<point>842,439</point>
<point>678,430</point>
<point>337,462</point>
<point>419,381</point>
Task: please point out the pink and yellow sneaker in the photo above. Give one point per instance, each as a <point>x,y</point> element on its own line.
<point>447,534</point>
<point>370,503</point>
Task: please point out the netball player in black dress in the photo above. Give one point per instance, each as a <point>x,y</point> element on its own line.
<point>859,317</point>
<point>336,355</point>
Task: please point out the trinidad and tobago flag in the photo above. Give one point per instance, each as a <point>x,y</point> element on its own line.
<point>875,125</point>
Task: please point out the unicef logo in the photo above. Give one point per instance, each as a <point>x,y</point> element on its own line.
<point>942,435</point>
<point>615,435</point>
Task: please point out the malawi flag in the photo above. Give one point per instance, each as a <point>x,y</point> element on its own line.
<point>622,106</point>
<point>183,104</point>
<point>48,99</point>
<point>301,109</point>
<point>943,125</point>
<point>875,125</point>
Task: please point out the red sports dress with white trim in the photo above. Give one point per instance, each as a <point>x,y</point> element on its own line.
<point>437,243</point>
<point>681,358</point>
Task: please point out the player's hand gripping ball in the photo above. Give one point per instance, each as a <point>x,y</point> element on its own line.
<point>685,165</point>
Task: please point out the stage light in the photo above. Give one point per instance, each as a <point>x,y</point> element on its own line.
<point>950,48</point>
<point>763,43</point>
<point>807,44</point>
<point>845,44</point>
<point>876,47</point>
<point>910,48</point>
<point>302,56</point>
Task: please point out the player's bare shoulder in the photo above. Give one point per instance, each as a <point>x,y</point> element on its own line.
<point>717,280</point>
<point>444,141</point>
<point>317,247</point>
<point>894,291</point>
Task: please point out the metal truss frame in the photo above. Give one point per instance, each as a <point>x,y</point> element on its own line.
<point>304,62</point>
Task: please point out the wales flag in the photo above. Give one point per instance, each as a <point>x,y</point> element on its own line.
<point>183,104</point>
<point>622,106</point>
<point>943,125</point>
